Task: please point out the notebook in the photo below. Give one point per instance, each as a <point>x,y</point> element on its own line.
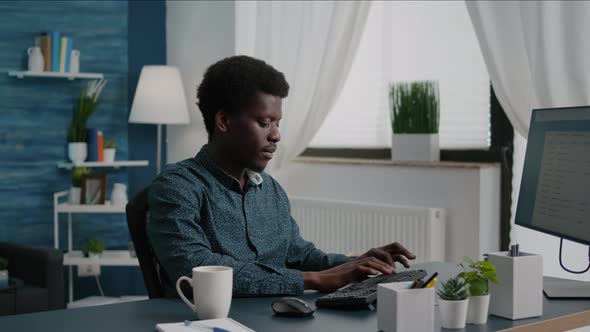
<point>224,323</point>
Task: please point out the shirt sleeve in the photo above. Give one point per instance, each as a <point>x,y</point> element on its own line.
<point>180,243</point>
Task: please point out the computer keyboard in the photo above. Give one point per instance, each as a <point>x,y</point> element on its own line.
<point>362,294</point>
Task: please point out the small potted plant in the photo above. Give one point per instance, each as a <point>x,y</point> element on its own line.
<point>93,248</point>
<point>75,190</point>
<point>414,120</point>
<point>3,272</point>
<point>77,146</point>
<point>109,151</point>
<point>452,303</point>
<point>477,276</point>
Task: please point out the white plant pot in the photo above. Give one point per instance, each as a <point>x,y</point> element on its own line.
<point>77,152</point>
<point>109,155</point>
<point>453,314</point>
<point>75,194</point>
<point>477,310</point>
<point>415,147</point>
<point>93,255</point>
<point>3,278</point>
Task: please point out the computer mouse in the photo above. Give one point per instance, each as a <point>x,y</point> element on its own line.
<point>292,307</point>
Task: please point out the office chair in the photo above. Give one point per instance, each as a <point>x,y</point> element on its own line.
<point>137,220</point>
<point>41,270</point>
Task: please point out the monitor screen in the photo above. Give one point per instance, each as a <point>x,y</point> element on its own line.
<point>555,188</point>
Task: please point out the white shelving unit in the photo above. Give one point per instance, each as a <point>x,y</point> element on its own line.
<point>115,164</point>
<point>69,76</point>
<point>61,205</point>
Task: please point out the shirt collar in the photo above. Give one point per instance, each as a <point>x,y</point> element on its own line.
<point>202,157</point>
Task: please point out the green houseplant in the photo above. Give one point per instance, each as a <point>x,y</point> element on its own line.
<point>452,303</point>
<point>93,247</point>
<point>109,151</point>
<point>477,275</point>
<point>414,114</point>
<point>77,149</point>
<point>75,189</point>
<point>3,272</point>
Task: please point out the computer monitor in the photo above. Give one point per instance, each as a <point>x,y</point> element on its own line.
<point>555,188</point>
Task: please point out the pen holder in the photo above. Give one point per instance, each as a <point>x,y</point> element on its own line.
<point>520,292</point>
<point>402,309</point>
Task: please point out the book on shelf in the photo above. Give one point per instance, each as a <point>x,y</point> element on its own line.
<point>100,146</point>
<point>69,45</point>
<point>95,145</point>
<point>55,47</point>
<point>46,51</point>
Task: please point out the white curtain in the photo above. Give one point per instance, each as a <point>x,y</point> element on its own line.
<point>313,43</point>
<point>537,54</point>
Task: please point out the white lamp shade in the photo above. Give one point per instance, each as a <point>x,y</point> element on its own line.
<point>159,98</point>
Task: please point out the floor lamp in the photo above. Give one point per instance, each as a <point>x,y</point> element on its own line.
<point>159,99</point>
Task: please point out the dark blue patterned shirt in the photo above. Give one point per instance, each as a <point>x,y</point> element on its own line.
<point>200,216</point>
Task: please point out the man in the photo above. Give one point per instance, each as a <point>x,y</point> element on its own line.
<point>219,208</point>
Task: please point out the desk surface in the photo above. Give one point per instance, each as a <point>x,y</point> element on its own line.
<point>252,312</point>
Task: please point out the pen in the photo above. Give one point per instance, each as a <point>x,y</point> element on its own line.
<point>416,283</point>
<point>431,283</point>
<point>429,280</point>
<point>201,327</point>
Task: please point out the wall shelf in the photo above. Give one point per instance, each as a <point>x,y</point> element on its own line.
<point>48,74</point>
<point>90,208</point>
<point>115,164</point>
<point>107,258</point>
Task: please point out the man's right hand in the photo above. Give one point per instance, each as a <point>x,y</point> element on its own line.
<point>329,280</point>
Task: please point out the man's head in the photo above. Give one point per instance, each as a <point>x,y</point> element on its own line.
<point>240,98</point>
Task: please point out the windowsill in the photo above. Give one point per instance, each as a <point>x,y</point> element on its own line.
<point>386,162</point>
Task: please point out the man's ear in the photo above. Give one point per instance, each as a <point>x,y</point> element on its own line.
<point>222,121</point>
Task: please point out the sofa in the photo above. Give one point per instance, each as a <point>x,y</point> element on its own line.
<point>40,271</point>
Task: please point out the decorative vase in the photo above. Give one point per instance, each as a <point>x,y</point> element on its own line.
<point>453,314</point>
<point>119,194</point>
<point>477,310</point>
<point>77,151</point>
<point>415,147</point>
<point>36,62</point>
<point>75,195</point>
<point>109,155</point>
<point>3,278</point>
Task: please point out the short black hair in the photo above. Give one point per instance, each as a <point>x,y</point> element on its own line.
<point>232,83</point>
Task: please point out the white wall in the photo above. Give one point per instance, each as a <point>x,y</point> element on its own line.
<point>198,33</point>
<point>471,196</point>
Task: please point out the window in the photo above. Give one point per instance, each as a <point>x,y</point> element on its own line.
<point>407,41</point>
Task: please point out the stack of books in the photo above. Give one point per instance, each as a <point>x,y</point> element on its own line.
<point>56,50</point>
<point>95,145</point>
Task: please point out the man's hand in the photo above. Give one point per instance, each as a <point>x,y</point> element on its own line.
<point>339,276</point>
<point>374,261</point>
<point>393,252</point>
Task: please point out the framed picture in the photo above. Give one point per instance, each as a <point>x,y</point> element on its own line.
<point>94,188</point>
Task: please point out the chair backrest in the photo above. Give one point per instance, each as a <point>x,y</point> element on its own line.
<point>137,219</point>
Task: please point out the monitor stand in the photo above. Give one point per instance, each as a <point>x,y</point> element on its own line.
<point>556,288</point>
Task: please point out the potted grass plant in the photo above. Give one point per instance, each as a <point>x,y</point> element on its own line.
<point>77,146</point>
<point>109,151</point>
<point>75,190</point>
<point>3,272</point>
<point>93,248</point>
<point>452,303</point>
<point>477,275</point>
<point>414,117</point>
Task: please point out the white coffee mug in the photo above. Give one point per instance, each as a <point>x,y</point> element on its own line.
<point>212,291</point>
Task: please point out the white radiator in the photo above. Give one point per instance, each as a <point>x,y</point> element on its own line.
<point>354,227</point>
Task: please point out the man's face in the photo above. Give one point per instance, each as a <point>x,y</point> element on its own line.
<point>255,132</point>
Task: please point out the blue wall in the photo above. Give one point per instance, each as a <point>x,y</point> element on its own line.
<point>34,115</point>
